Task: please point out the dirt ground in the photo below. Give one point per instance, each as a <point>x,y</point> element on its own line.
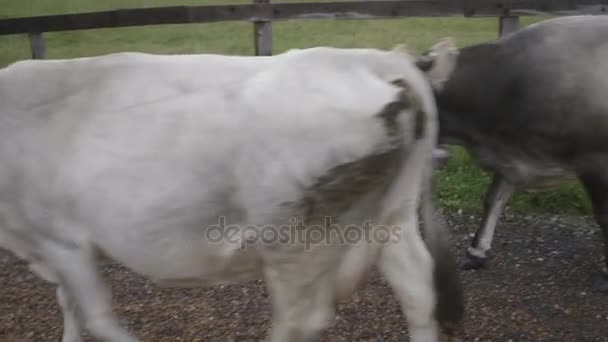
<point>536,289</point>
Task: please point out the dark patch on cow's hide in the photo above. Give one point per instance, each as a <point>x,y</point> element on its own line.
<point>425,63</point>
<point>339,189</point>
<point>342,186</point>
<point>406,100</point>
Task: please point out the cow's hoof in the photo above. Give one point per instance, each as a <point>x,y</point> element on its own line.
<point>599,283</point>
<point>451,331</point>
<point>472,262</point>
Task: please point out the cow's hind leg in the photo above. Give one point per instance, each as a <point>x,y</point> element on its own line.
<point>596,185</point>
<point>302,291</point>
<point>408,267</point>
<point>85,292</point>
<point>497,196</point>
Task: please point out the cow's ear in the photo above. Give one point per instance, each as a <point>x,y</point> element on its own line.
<point>439,62</point>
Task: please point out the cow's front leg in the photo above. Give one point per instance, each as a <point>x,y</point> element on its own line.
<point>85,292</point>
<point>497,196</point>
<point>596,185</point>
<point>71,326</point>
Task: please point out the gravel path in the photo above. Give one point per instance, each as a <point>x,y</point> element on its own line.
<point>536,289</point>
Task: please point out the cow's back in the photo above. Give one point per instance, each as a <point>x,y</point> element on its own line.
<point>44,102</point>
<point>141,76</point>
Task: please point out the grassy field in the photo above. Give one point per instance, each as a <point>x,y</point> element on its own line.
<point>461,184</point>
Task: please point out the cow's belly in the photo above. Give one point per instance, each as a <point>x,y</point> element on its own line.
<point>183,257</point>
<point>526,173</point>
<point>536,176</point>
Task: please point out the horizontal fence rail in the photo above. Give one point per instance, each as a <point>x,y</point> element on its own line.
<point>264,11</point>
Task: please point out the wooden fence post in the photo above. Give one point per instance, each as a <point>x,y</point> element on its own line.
<point>507,24</point>
<point>262,34</point>
<point>37,45</point>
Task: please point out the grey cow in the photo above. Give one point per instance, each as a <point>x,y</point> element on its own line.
<point>532,107</point>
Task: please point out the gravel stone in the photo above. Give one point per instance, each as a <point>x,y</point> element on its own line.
<point>536,288</point>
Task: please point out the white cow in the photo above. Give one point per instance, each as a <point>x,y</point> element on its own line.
<point>164,162</point>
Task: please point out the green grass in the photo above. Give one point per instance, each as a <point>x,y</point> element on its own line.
<point>461,184</point>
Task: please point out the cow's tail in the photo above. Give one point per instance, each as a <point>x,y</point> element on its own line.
<point>437,66</point>
<point>449,310</point>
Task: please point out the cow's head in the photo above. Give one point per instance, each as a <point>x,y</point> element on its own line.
<point>439,62</point>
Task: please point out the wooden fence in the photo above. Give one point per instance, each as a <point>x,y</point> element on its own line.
<point>262,12</point>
